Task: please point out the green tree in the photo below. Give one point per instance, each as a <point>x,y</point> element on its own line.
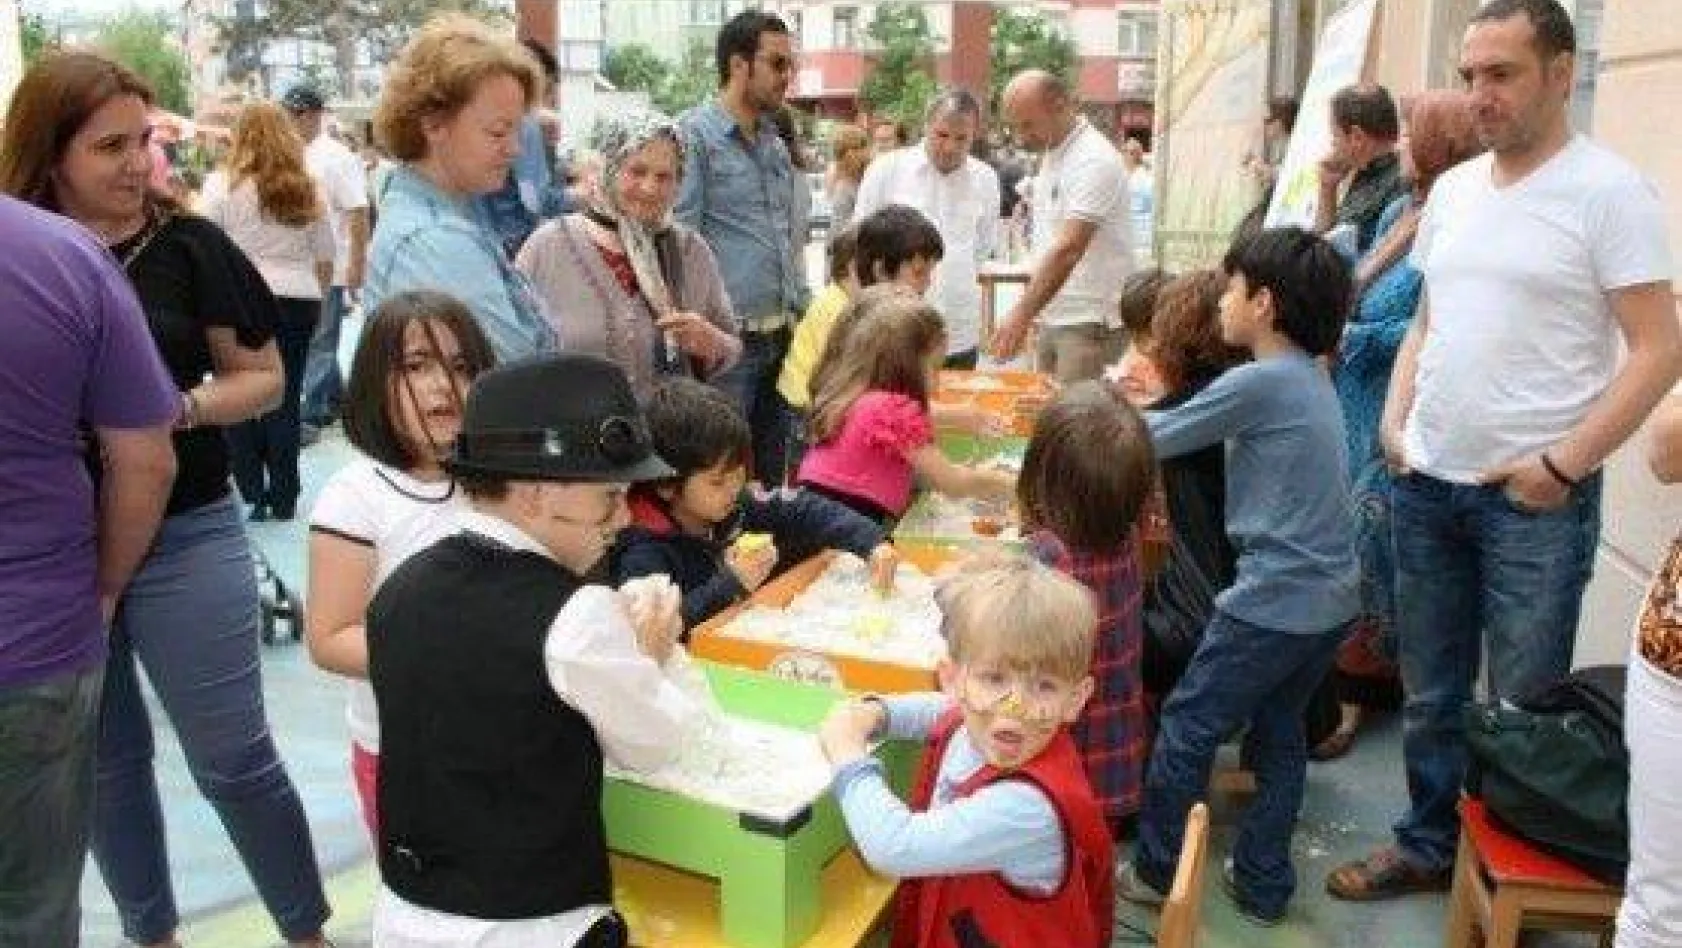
<point>691,83</point>
<point>900,83</point>
<point>145,42</point>
<point>34,36</point>
<point>634,67</point>
<point>1022,42</point>
<point>343,25</point>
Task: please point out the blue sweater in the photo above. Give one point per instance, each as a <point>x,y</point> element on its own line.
<point>802,524</point>
<point>1288,511</point>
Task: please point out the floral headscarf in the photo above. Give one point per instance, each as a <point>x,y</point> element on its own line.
<point>616,138</point>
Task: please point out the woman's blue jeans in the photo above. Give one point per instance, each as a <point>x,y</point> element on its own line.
<point>190,619</point>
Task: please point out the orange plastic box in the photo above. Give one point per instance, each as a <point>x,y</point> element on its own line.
<point>1016,400</point>
<point>805,665</point>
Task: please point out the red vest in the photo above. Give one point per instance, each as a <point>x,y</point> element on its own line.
<point>985,911</point>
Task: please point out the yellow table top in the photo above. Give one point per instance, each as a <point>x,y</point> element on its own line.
<point>667,908</point>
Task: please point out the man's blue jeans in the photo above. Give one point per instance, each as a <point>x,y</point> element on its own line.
<point>1241,673</point>
<point>1474,572</point>
<point>47,735</point>
<point>752,383</point>
<point>324,384</point>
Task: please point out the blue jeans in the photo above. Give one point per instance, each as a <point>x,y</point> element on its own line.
<point>46,806</point>
<point>1241,673</point>
<point>752,383</point>
<point>263,452</point>
<point>1475,572</point>
<point>190,618</point>
<point>324,385</point>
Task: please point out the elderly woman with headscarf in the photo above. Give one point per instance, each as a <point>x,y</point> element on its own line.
<point>621,279</point>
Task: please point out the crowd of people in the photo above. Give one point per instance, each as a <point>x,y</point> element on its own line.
<point>1374,444</point>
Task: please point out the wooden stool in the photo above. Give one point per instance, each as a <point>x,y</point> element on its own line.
<point>1503,885</point>
<point>1182,911</point>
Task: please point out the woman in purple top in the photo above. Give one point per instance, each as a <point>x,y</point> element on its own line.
<point>75,143</point>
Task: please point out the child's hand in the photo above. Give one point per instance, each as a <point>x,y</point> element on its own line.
<point>884,562</point>
<point>972,420</point>
<point>845,734</point>
<point>752,563</point>
<point>656,609</point>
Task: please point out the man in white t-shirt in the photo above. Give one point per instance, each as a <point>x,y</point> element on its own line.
<point>960,195</point>
<point>343,181</point>
<point>1081,247</point>
<point>1509,393</point>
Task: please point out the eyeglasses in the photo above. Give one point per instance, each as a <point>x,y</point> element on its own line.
<point>1025,696</point>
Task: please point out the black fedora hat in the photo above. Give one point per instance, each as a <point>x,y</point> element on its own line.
<point>564,417</point>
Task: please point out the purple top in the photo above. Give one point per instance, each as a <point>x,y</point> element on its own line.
<point>76,354</point>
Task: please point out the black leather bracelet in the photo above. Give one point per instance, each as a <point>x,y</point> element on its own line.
<point>1553,469</point>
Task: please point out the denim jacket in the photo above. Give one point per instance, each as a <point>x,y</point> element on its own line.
<point>741,197</point>
<point>528,196</point>
<point>427,239</point>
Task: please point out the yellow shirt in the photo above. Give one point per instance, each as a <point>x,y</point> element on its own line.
<point>806,348</point>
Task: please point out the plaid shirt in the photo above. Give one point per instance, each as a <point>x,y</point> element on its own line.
<point>1111,732</point>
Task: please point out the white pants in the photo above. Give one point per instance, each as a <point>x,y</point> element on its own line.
<point>1651,916</point>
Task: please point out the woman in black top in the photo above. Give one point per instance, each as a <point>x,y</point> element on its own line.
<point>76,143</point>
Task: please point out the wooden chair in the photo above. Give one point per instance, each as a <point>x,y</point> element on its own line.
<point>1503,885</point>
<point>1182,911</point>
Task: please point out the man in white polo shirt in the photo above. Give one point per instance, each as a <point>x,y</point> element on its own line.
<point>1509,393</point>
<point>960,194</point>
<point>1081,246</point>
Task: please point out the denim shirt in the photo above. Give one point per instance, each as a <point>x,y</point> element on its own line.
<point>740,197</point>
<point>528,197</point>
<point>427,239</point>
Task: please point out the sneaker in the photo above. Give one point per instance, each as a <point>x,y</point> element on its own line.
<point>1129,887</point>
<point>1229,882</point>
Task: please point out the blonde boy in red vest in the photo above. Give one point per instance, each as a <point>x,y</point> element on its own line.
<point>1002,842</point>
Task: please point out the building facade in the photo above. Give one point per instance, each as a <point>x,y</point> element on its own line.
<point>1115,41</point>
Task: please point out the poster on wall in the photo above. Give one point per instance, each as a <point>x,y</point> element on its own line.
<point>1339,61</point>
<point>11,52</point>
<point>1210,104</point>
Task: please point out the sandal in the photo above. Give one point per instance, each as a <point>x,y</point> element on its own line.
<point>1338,743</point>
<point>1383,874</point>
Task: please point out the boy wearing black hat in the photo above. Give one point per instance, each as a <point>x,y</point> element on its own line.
<point>504,677</point>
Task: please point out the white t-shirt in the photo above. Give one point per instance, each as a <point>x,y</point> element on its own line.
<point>964,207</point>
<point>344,184</point>
<point>1522,339</point>
<point>397,516</point>
<point>1083,179</point>
<point>284,254</point>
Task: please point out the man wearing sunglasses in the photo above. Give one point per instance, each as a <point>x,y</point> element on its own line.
<point>739,193</point>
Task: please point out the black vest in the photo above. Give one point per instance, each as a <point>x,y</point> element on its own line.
<point>490,787</point>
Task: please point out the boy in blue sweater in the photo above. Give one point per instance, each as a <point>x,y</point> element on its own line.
<point>1277,627</point>
<point>717,541</point>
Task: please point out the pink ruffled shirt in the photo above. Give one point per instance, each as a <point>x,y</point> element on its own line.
<point>870,457</point>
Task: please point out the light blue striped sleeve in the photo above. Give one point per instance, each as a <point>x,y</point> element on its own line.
<point>1008,827</point>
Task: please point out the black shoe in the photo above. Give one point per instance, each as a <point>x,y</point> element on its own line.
<point>283,510</point>
<point>260,513</point>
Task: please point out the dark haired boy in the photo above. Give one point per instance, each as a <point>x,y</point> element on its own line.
<point>1276,628</point>
<point>717,541</point>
